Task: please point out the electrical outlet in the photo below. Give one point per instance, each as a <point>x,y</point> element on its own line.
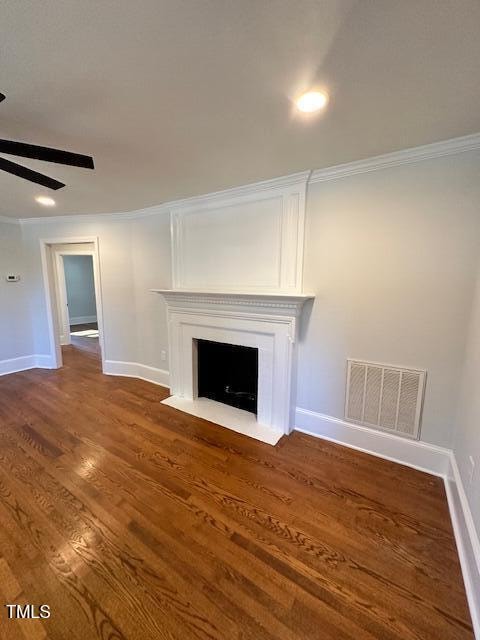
<point>471,468</point>
<point>163,355</point>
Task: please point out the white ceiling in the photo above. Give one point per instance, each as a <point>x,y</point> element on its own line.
<point>175,98</point>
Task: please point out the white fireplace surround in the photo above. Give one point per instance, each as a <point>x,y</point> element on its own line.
<point>237,273</point>
<point>267,322</point>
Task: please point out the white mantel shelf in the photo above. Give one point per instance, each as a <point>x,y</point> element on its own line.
<point>288,303</point>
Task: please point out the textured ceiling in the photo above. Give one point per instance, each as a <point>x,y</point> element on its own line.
<point>175,98</point>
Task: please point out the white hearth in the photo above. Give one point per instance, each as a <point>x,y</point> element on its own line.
<point>265,321</point>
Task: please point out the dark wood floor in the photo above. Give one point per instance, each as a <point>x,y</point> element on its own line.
<point>133,520</point>
<point>82,327</point>
<point>85,343</point>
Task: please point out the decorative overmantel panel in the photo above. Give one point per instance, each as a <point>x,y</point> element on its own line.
<point>237,262</point>
<point>267,322</point>
<point>244,240</point>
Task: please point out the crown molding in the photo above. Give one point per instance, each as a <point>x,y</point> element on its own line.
<point>397,158</point>
<point>9,220</point>
<point>255,188</point>
<point>77,217</point>
<point>98,217</point>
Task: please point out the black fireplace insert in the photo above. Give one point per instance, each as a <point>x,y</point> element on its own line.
<point>228,373</point>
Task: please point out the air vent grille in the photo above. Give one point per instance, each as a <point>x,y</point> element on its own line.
<point>385,397</point>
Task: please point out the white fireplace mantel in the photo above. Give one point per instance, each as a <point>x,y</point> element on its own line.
<point>265,321</point>
<point>282,303</point>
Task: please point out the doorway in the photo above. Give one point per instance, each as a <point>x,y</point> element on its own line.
<point>71,271</point>
<point>79,312</point>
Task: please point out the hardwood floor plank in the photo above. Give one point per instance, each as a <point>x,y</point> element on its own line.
<point>91,539</point>
<point>134,520</point>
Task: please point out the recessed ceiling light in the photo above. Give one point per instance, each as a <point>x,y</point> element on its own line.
<point>312,101</point>
<point>45,201</point>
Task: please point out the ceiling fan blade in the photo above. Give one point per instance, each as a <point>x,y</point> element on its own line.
<point>45,153</point>
<point>28,174</point>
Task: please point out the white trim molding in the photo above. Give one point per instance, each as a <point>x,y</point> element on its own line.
<point>53,297</point>
<point>467,539</point>
<point>120,216</point>
<point>137,370</point>
<point>44,362</point>
<point>256,302</point>
<point>440,149</point>
<point>165,208</point>
<point>8,220</point>
<point>279,203</point>
<point>412,453</point>
<point>419,455</point>
<point>397,158</point>
<point>252,190</point>
<point>266,322</point>
<point>112,367</point>
<point>83,320</point>
<point>14,365</point>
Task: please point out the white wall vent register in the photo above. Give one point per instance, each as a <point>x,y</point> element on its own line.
<point>385,397</point>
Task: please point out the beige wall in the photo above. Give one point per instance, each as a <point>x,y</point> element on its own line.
<point>118,296</point>
<point>134,257</point>
<point>152,270</point>
<point>391,257</point>
<point>15,328</point>
<point>80,285</point>
<point>466,442</point>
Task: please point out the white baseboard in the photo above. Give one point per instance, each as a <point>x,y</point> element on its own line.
<point>13,365</point>
<point>44,362</point>
<point>83,320</point>
<point>413,453</point>
<point>137,370</point>
<point>111,367</point>
<point>467,539</point>
<point>419,455</point>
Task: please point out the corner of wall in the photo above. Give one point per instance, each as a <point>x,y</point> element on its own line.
<point>467,540</point>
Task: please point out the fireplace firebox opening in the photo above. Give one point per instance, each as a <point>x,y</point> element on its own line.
<point>228,373</point>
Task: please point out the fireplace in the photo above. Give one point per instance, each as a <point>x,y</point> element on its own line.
<point>228,373</point>
<point>232,358</point>
<point>237,271</point>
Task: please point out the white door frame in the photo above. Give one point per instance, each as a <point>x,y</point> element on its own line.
<point>62,307</point>
<point>61,283</point>
<point>55,291</point>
